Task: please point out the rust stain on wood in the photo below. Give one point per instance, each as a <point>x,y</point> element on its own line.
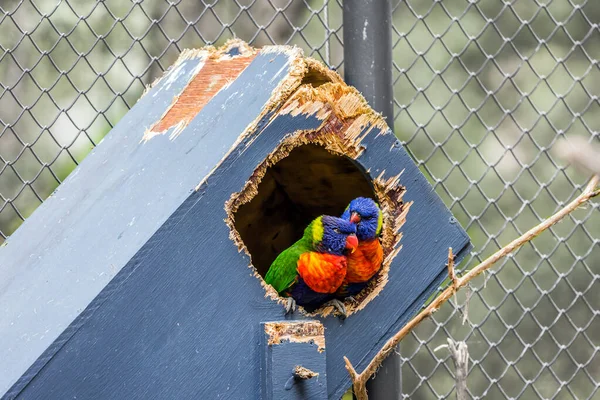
<point>297,332</point>
<point>216,74</point>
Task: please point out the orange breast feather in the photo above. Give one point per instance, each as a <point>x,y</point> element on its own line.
<point>364,262</point>
<point>323,273</point>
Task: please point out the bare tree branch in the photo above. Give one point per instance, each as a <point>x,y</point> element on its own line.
<point>450,265</point>
<point>359,380</point>
<point>460,355</point>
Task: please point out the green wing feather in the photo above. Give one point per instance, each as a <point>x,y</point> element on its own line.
<point>283,271</point>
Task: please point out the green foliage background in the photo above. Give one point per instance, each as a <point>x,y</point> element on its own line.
<point>483,89</point>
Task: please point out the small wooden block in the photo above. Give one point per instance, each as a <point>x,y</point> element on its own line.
<point>293,363</point>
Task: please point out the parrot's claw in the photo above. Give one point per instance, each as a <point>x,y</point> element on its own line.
<point>338,305</point>
<point>351,299</point>
<point>290,305</point>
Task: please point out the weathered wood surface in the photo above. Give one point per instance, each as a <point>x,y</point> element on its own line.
<point>286,346</point>
<point>179,319</point>
<point>61,258</point>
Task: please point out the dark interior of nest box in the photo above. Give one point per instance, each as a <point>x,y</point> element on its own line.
<point>309,182</point>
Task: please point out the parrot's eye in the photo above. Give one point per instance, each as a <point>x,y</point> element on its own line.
<point>336,230</point>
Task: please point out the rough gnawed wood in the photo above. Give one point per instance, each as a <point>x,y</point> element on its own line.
<point>297,332</point>
<point>359,380</point>
<point>293,364</point>
<point>126,283</point>
<point>346,121</point>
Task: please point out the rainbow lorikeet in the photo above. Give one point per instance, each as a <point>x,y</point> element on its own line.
<point>366,261</point>
<point>313,268</point>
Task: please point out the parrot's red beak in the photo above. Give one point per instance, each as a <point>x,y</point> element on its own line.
<point>351,242</point>
<point>355,217</point>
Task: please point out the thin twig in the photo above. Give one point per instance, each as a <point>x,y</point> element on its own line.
<point>451,272</point>
<point>460,355</point>
<point>359,380</point>
<point>359,385</point>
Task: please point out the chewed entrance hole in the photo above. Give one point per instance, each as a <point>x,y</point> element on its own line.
<point>309,182</point>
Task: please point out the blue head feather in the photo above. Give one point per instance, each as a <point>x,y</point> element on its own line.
<point>371,218</point>
<point>335,232</point>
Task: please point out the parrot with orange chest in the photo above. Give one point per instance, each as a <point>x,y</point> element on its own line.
<point>366,261</point>
<point>310,271</point>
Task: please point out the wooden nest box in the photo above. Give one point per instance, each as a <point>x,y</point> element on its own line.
<point>141,276</point>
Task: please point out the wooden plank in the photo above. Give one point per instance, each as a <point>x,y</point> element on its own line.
<point>173,316</point>
<point>63,256</point>
<point>293,363</point>
<point>416,272</point>
<point>215,75</point>
<point>181,317</point>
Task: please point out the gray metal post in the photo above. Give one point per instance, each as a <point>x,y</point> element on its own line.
<point>368,52</point>
<point>368,67</point>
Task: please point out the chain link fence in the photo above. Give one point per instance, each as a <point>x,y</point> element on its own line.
<point>483,89</point>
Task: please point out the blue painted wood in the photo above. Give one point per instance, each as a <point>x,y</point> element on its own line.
<point>278,363</point>
<point>189,302</point>
<point>61,258</point>
<point>179,319</point>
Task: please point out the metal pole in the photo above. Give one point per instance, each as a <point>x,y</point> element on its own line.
<point>368,52</point>
<point>368,67</point>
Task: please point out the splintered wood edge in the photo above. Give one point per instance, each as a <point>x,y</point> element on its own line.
<point>304,373</point>
<point>206,52</point>
<point>296,332</point>
<point>284,89</point>
<point>389,193</point>
<point>347,120</point>
<point>197,93</point>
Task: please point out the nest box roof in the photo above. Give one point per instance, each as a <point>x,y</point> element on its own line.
<point>135,277</point>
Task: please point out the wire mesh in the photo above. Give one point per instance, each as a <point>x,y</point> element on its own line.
<point>483,89</point>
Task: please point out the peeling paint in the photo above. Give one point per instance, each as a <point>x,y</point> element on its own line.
<point>299,67</point>
<point>172,73</point>
<point>214,74</point>
<point>281,70</point>
<point>312,89</point>
<point>296,332</point>
<point>188,54</point>
<point>172,77</point>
